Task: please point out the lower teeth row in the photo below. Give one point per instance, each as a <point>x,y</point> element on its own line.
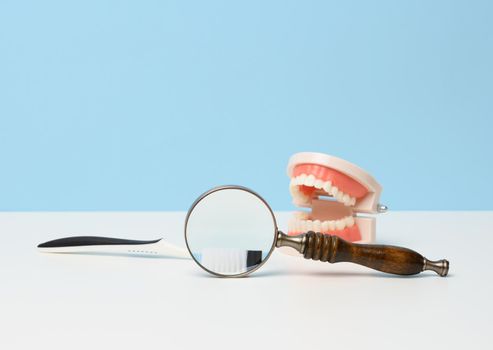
<point>298,225</point>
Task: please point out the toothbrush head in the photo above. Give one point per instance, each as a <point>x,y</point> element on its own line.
<point>229,261</point>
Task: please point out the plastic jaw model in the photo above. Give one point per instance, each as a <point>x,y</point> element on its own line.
<point>336,191</point>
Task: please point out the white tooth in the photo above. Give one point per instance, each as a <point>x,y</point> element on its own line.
<point>339,196</point>
<point>310,180</point>
<point>332,225</point>
<point>319,184</point>
<point>309,225</point>
<point>333,191</point>
<point>340,224</point>
<point>346,199</point>
<point>325,226</point>
<point>327,186</point>
<point>301,179</point>
<point>349,221</point>
<point>353,201</point>
<point>316,226</point>
<point>303,226</point>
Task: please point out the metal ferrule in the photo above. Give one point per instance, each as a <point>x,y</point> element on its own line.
<point>439,266</point>
<point>295,242</point>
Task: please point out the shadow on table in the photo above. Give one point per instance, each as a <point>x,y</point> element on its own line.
<point>327,274</point>
<point>338,274</point>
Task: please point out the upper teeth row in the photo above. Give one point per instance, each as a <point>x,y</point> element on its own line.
<point>312,181</point>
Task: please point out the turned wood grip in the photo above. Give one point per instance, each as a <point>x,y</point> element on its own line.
<point>390,259</point>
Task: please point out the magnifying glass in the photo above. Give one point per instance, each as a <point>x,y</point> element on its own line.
<point>230,231</point>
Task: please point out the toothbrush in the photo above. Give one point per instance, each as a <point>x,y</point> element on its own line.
<point>108,245</point>
<point>225,260</point>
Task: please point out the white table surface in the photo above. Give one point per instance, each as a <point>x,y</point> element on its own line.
<point>54,301</point>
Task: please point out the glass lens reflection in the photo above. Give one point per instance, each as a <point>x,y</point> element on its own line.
<point>230,231</point>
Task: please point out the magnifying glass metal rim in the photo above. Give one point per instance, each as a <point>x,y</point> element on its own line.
<point>232,187</point>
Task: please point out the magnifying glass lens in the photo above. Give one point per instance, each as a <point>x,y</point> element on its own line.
<point>230,231</point>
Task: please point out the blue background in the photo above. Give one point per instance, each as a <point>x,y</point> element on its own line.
<point>143,105</point>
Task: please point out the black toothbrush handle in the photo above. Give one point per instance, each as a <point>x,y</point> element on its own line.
<point>79,241</point>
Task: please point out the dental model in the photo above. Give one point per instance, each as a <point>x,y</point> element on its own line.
<point>336,191</point>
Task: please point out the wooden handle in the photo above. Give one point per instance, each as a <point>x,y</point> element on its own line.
<point>390,259</point>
